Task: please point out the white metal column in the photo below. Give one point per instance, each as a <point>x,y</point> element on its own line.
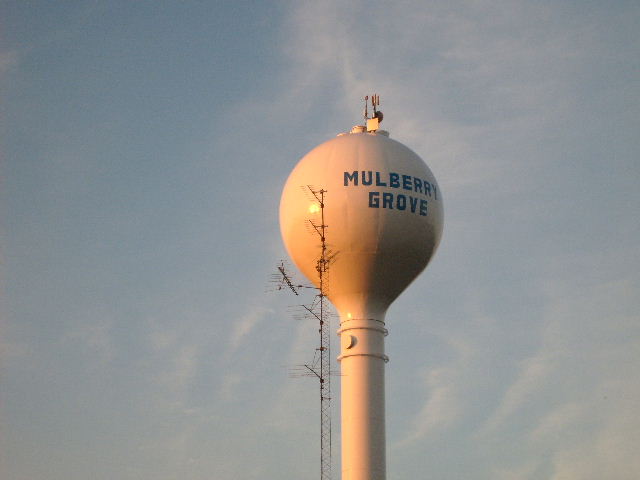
<point>362,361</point>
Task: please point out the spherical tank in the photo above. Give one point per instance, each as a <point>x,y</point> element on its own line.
<point>384,217</point>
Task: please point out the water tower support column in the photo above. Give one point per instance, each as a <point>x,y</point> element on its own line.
<point>362,362</point>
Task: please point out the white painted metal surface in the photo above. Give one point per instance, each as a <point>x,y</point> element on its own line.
<point>384,213</point>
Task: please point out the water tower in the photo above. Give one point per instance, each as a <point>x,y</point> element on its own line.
<point>384,217</point>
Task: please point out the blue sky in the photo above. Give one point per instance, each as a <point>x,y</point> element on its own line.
<point>144,148</point>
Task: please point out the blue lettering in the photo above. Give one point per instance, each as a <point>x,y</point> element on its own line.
<point>423,208</point>
<point>394,180</point>
<point>413,202</point>
<point>402,202</point>
<point>374,199</point>
<point>353,177</point>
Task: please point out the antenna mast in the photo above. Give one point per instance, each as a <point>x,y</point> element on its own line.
<point>324,371</point>
<point>320,367</point>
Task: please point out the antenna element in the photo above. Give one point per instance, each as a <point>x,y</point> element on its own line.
<point>373,123</point>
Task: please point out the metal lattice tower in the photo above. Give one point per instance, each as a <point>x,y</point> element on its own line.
<point>320,367</point>
<point>323,370</point>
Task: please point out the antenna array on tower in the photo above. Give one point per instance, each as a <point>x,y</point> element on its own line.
<point>372,123</point>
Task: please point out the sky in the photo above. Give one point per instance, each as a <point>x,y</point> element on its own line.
<point>143,149</point>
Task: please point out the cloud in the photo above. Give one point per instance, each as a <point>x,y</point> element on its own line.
<point>571,404</point>
<point>228,386</point>
<point>559,420</point>
<point>533,374</point>
<point>606,448</point>
<point>176,373</point>
<point>445,402</point>
<point>441,409</point>
<point>173,363</point>
<point>245,325</point>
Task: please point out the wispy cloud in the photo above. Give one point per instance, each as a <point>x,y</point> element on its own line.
<point>571,401</point>
<point>445,401</point>
<point>559,420</point>
<point>533,374</point>
<point>602,439</point>
<point>175,355</point>
<point>245,325</point>
<point>181,369</point>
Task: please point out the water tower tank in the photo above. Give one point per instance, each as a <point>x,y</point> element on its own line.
<point>384,217</point>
